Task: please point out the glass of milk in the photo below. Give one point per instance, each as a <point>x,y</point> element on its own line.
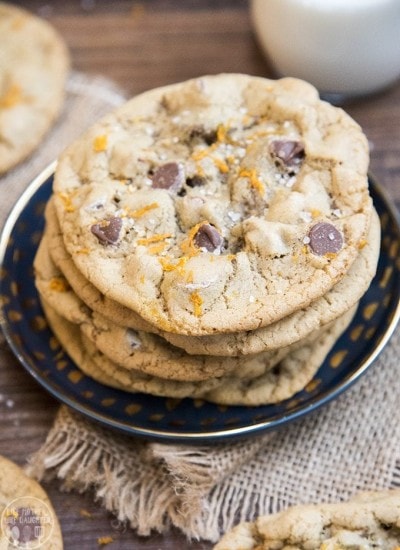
<point>346,48</point>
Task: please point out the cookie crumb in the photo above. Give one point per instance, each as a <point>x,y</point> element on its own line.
<point>103,541</point>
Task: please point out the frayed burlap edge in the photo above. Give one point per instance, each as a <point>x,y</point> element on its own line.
<point>151,486</point>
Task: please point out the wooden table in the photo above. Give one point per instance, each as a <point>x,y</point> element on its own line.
<point>139,46</point>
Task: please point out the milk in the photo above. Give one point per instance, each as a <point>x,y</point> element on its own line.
<point>344,47</point>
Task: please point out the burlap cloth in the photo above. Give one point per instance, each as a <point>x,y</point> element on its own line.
<point>352,444</point>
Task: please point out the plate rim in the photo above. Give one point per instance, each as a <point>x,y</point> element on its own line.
<point>251,429</point>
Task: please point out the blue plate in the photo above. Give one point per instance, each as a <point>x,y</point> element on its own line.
<point>182,420</point>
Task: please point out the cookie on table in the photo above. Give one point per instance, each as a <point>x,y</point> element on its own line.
<point>283,333</point>
<point>286,379</point>
<point>34,63</point>
<point>27,517</point>
<point>221,204</point>
<point>368,521</point>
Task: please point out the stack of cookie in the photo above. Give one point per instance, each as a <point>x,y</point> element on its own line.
<point>210,239</point>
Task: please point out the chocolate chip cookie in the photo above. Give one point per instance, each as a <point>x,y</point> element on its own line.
<point>217,205</point>
<point>34,63</point>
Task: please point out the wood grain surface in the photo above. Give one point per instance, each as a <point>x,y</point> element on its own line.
<point>140,46</point>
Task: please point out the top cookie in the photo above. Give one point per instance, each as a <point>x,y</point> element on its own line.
<point>220,204</point>
<point>34,62</point>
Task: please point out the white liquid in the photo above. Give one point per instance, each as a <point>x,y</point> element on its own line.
<point>349,47</point>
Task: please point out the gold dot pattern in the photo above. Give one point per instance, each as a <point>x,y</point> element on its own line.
<point>132,409</point>
<point>356,332</point>
<point>108,401</point>
<point>337,359</point>
<point>75,376</point>
<point>370,310</point>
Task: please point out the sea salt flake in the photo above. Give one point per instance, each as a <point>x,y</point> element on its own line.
<point>197,286</point>
<point>305,216</point>
<point>291,181</point>
<point>234,216</point>
<point>252,299</point>
<point>306,240</point>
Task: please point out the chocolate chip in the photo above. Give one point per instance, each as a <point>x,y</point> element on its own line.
<point>168,176</point>
<point>325,239</point>
<point>208,237</point>
<point>107,231</point>
<point>290,152</point>
<point>196,181</point>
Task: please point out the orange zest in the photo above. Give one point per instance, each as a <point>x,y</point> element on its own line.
<point>154,238</point>
<point>187,245</point>
<point>142,211</point>
<point>11,97</point>
<point>178,266</point>
<point>255,182</point>
<point>100,143</point>
<point>362,243</point>
<point>315,213</point>
<point>221,165</point>
<point>67,202</point>
<point>197,302</point>
<point>157,248</point>
<point>58,284</point>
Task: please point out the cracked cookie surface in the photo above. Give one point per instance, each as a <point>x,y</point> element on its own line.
<point>221,204</point>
